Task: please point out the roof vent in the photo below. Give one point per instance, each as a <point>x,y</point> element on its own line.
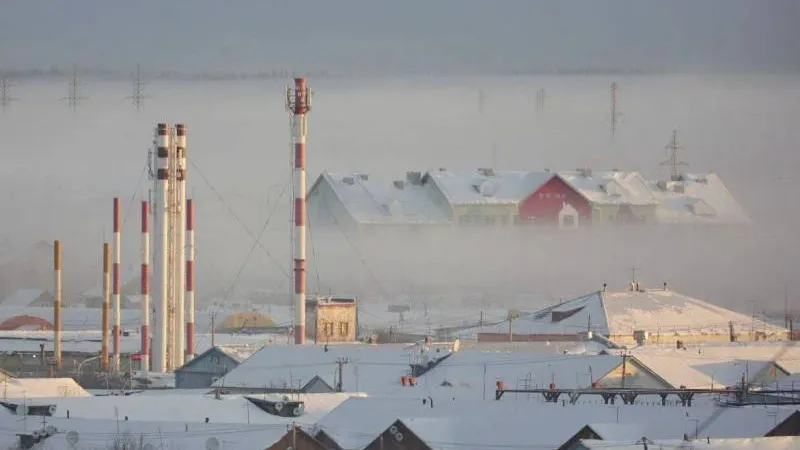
<point>415,178</point>
<point>399,184</point>
<point>363,176</point>
<point>349,181</point>
<point>442,169</point>
<point>487,172</point>
<point>585,172</point>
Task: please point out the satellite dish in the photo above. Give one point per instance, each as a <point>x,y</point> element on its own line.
<point>212,443</point>
<point>72,438</point>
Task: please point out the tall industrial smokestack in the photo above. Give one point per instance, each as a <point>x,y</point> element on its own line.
<point>298,103</point>
<point>106,303</point>
<point>190,336</point>
<point>116,283</point>
<point>179,333</point>
<point>57,303</point>
<point>145,285</point>
<point>160,266</point>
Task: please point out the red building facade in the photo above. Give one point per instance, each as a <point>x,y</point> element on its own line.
<point>545,203</point>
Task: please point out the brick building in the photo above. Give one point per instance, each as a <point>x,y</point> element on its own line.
<point>331,319</point>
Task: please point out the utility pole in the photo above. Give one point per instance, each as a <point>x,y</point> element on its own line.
<point>673,157</point>
<point>633,270</point>
<point>137,98</point>
<point>340,362</point>
<point>5,93</point>
<point>624,367</point>
<point>74,97</point>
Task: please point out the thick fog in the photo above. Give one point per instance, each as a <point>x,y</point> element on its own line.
<point>408,99</point>
<point>61,169</point>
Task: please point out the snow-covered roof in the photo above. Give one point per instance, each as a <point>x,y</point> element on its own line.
<point>369,368</point>
<point>610,188</point>
<point>702,198</point>
<point>22,298</point>
<point>653,310</point>
<point>722,364</point>
<point>240,352</point>
<point>474,423</point>
<point>190,408</point>
<point>756,443</point>
<point>42,388</point>
<point>487,186</point>
<point>168,435</point>
<point>472,374</point>
<point>375,202</point>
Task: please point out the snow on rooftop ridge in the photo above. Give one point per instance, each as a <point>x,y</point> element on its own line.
<point>610,187</point>
<point>697,198</point>
<point>756,443</point>
<point>42,388</point>
<point>666,311</point>
<point>487,186</point>
<point>371,201</point>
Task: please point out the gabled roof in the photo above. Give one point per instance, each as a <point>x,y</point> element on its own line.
<point>610,188</point>
<point>621,313</point>
<point>694,198</point>
<point>375,202</point>
<point>370,368</point>
<point>22,298</point>
<point>238,353</point>
<point>487,186</point>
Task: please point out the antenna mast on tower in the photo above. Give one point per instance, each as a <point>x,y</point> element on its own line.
<point>673,157</point>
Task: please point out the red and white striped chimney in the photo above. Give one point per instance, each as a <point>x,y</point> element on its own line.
<point>298,102</point>
<point>57,303</point>
<point>161,242</point>
<point>116,283</point>
<point>145,285</point>
<point>106,305</point>
<point>190,336</point>
<point>179,333</point>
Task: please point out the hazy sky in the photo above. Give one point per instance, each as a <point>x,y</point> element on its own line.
<point>409,35</point>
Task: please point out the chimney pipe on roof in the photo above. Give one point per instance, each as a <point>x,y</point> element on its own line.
<point>605,286</point>
<point>665,285</point>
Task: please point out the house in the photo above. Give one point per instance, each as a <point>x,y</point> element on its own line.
<point>399,437</point>
<point>298,439</point>
<point>555,201</point>
<point>331,320</point>
<point>486,197</point>
<point>697,199</point>
<point>615,197</point>
<point>28,268</point>
<point>211,365</point>
<point>637,315</point>
<point>325,368</point>
<point>131,286</point>
<point>24,298</point>
<point>357,202</point>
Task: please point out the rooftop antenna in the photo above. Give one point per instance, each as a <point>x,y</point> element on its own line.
<point>5,92</point>
<point>673,157</point>
<point>138,97</point>
<point>615,114</point>
<point>74,97</point>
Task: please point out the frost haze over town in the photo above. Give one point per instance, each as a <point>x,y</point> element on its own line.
<point>469,283</point>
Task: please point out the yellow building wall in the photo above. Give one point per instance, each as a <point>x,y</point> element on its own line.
<point>486,214</point>
<point>634,378</point>
<point>607,214</point>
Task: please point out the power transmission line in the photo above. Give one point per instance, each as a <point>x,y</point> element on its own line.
<point>673,157</point>
<point>74,97</point>
<point>138,97</point>
<point>5,93</point>
<point>615,114</point>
